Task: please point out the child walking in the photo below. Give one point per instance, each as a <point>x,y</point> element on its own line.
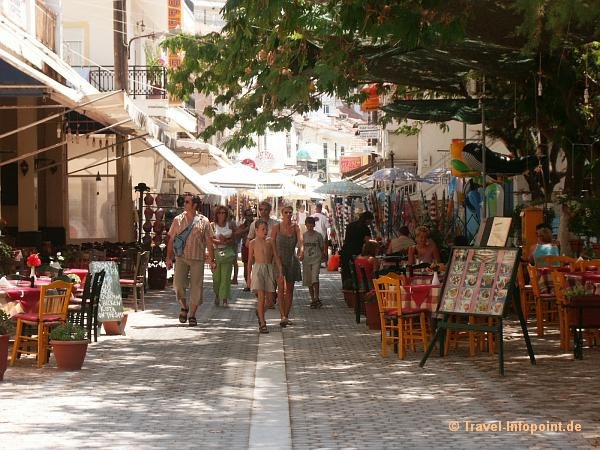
<point>311,254</point>
<point>262,273</point>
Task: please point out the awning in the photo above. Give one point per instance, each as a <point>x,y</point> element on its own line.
<point>443,110</point>
<point>186,170</point>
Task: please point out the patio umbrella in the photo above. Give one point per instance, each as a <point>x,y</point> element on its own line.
<point>343,188</point>
<point>394,174</point>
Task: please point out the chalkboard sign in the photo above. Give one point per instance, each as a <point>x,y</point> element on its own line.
<point>110,305</point>
<point>478,280</point>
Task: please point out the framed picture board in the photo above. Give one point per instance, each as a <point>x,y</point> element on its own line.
<point>479,280</point>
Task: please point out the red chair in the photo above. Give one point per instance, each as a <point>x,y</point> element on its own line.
<point>52,310</point>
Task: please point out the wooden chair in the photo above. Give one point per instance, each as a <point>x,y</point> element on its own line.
<point>588,264</point>
<point>546,310</point>
<point>560,285</point>
<point>85,313</point>
<point>525,293</point>
<point>137,284</point>
<point>565,263</point>
<point>52,310</point>
<point>397,327</point>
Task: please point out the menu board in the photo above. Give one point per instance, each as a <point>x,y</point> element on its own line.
<point>110,304</point>
<point>478,280</point>
<point>494,232</point>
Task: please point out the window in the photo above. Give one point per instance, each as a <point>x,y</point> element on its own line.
<point>325,150</point>
<point>342,150</point>
<point>326,109</point>
<point>91,208</point>
<point>288,144</point>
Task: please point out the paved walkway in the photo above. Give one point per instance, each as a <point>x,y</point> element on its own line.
<point>320,384</point>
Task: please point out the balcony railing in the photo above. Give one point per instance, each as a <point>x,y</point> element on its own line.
<point>143,81</point>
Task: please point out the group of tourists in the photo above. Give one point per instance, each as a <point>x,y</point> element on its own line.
<point>272,253</point>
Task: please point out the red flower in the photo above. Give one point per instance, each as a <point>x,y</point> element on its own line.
<point>34,260</point>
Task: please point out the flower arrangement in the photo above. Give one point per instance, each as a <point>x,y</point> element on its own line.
<point>34,260</point>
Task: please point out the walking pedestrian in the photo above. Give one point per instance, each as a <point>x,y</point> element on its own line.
<point>312,251</point>
<point>262,273</point>
<point>357,233</point>
<point>191,259</point>
<point>286,238</point>
<point>242,231</point>
<point>322,225</point>
<point>264,213</point>
<point>224,255</point>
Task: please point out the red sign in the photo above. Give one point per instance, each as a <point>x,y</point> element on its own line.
<point>348,163</point>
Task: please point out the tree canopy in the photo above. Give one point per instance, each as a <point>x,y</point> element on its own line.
<point>276,58</point>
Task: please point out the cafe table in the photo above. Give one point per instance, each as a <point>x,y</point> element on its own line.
<point>586,315</point>
<point>26,298</point>
<point>420,297</point>
<point>81,273</point>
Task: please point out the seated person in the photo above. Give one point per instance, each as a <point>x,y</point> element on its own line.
<point>367,260</point>
<point>544,246</point>
<point>400,245</point>
<point>425,250</point>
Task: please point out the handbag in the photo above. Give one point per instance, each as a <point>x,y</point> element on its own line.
<point>224,255</point>
<point>180,239</point>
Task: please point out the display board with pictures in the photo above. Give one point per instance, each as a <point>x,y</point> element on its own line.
<point>478,280</point>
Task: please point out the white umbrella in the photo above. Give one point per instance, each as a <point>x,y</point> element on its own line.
<point>240,176</point>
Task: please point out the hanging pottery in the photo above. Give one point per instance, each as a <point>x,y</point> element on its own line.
<point>148,213</point>
<point>147,240</point>
<point>148,199</point>
<point>157,239</point>
<point>160,213</point>
<point>158,227</point>
<point>147,227</point>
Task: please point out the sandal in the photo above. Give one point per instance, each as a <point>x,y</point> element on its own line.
<point>263,328</point>
<point>284,323</point>
<point>183,315</point>
<point>225,304</point>
<point>193,322</point>
<point>314,305</point>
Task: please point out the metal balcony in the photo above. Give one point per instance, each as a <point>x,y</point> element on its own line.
<point>143,81</point>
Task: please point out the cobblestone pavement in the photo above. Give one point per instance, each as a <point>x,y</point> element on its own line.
<point>165,385</point>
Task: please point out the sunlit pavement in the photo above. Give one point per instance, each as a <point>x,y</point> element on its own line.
<point>318,384</point>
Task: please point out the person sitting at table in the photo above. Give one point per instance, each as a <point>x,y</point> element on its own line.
<point>400,245</point>
<point>425,250</point>
<point>367,260</point>
<point>544,245</point>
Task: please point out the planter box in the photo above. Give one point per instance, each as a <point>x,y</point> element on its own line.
<point>157,277</point>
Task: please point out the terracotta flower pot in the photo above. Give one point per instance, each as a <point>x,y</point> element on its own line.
<point>3,355</point>
<point>115,327</point>
<point>69,355</point>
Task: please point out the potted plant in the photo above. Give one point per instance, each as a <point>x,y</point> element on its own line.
<point>116,327</point>
<point>7,326</point>
<point>7,258</point>
<point>68,345</point>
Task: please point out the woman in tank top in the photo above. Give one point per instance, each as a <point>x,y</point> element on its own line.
<point>287,239</point>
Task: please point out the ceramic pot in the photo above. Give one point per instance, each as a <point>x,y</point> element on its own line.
<point>69,355</point>
<point>148,199</point>
<point>148,213</point>
<point>115,327</point>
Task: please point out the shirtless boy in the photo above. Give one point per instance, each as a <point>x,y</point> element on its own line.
<point>262,274</point>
